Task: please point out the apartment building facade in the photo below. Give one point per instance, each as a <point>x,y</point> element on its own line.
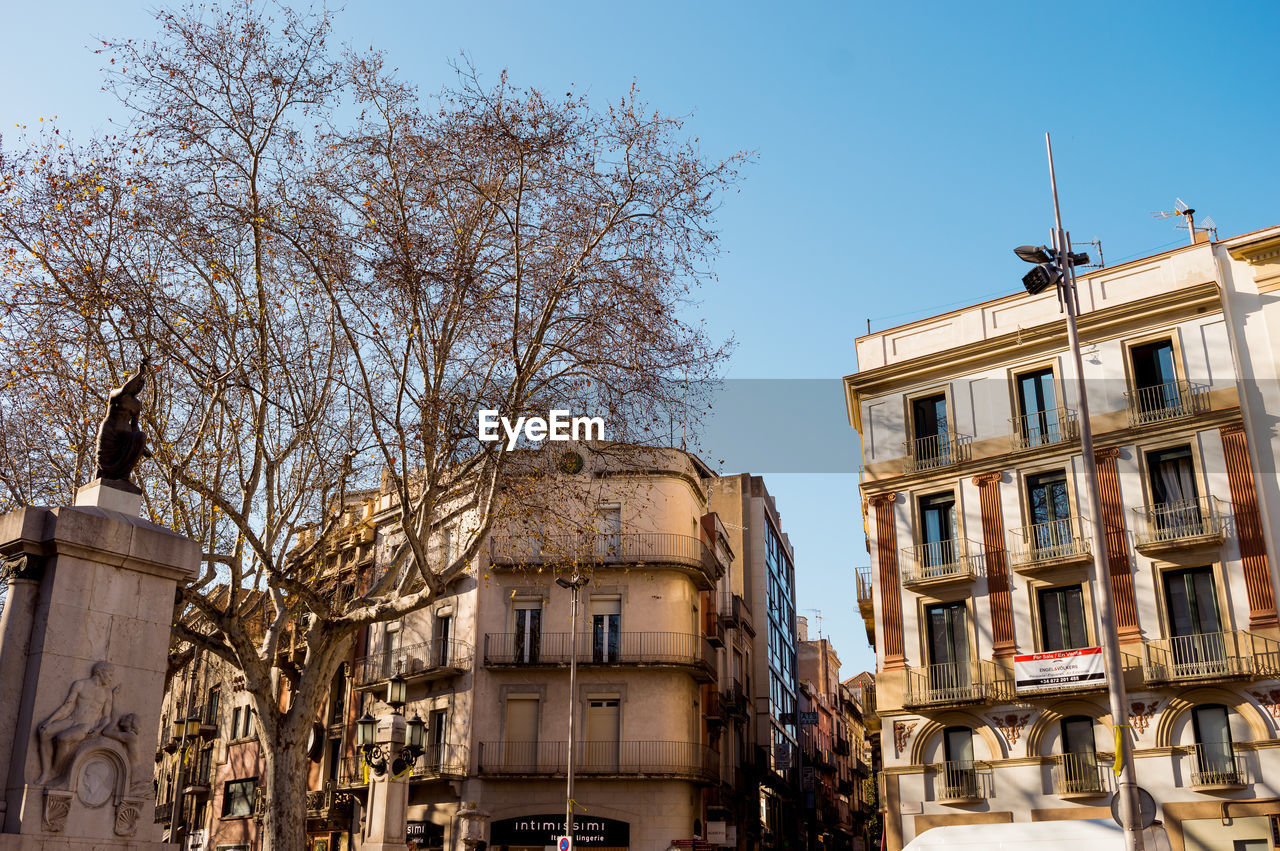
<point>981,597</point>
<point>764,585</point>
<point>666,743</point>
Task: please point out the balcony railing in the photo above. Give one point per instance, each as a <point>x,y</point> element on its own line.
<point>958,781</point>
<point>955,682</point>
<point>164,812</point>
<point>1176,524</point>
<point>656,548</point>
<point>428,660</point>
<point>1210,655</point>
<point>1044,428</point>
<point>1216,764</point>
<point>863,579</point>
<point>1052,542</point>
<point>1169,401</point>
<point>680,759</point>
<point>1078,774</point>
<point>734,611</point>
<point>937,562</point>
<point>441,760</point>
<point>629,648</point>
<point>934,451</point>
<point>199,777</point>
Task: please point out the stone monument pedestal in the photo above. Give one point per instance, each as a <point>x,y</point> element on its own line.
<point>388,806</point>
<point>84,642</point>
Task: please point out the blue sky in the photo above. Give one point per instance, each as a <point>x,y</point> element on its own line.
<point>900,154</point>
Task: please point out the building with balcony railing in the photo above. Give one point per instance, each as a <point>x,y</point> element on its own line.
<point>982,590</point>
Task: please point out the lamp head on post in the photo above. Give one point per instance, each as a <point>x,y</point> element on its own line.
<point>396,692</point>
<point>1048,268</point>
<point>573,583</point>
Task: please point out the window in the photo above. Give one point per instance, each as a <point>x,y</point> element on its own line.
<point>444,629</point>
<point>1078,766</point>
<point>238,797</point>
<point>609,539</point>
<point>437,732</point>
<point>602,733</point>
<point>930,446</point>
<point>1039,422</point>
<point>247,731</point>
<point>1062,624</point>
<point>528,637</point>
<point>520,733</point>
<point>235,722</point>
<point>959,780</point>
<point>1155,384</point>
<point>1215,755</point>
<point>606,616</point>
<point>1175,509</point>
<point>949,675</point>
<point>211,706</point>
<point>1198,647</point>
<point>938,530</point>
<point>1049,510</point>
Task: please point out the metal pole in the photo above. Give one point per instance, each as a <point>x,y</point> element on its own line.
<point>573,676</point>
<point>1110,639</point>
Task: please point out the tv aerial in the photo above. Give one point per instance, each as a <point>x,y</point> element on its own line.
<point>1188,214</point>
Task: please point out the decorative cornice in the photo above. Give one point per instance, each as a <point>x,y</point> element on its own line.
<point>1258,251</point>
<point>1106,453</point>
<point>23,566</point>
<point>880,499</point>
<point>1231,428</point>
<point>984,479</point>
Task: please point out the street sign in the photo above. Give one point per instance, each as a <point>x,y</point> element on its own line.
<point>1146,808</point>
<point>562,844</point>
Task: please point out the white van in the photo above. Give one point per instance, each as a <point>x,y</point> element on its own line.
<point>1072,835</point>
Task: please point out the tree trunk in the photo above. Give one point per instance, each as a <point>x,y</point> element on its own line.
<point>284,822</point>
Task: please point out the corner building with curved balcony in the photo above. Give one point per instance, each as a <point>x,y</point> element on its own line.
<point>981,592</point>
<point>664,736</point>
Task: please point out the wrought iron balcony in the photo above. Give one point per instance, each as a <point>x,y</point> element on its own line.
<point>958,782</point>
<point>1170,401</point>
<point>1078,775</point>
<point>1210,656</point>
<point>604,549</point>
<point>939,562</point>
<point>164,812</point>
<point>863,579</point>
<point>441,760</point>
<point>330,803</point>
<point>1051,544</point>
<point>690,760</point>
<point>429,660</point>
<point>1215,765</point>
<point>955,682</point>
<point>934,451</point>
<point>735,613</point>
<point>1044,428</point>
<point>655,649</point>
<point>1175,525</point>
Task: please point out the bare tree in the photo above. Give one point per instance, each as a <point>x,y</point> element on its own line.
<point>326,301</point>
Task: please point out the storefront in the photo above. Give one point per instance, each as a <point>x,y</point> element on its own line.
<point>536,832</point>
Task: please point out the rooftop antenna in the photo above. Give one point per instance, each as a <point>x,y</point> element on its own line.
<point>1101,264</point>
<point>818,614</point>
<point>1188,215</point>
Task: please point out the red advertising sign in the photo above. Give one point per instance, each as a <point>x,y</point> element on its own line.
<point>1059,669</point>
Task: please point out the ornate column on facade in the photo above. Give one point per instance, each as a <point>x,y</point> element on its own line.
<point>890,589</point>
<point>1122,593</point>
<point>1003,640</point>
<point>1253,547</point>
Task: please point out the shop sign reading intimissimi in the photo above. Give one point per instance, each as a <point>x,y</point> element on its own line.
<point>543,830</point>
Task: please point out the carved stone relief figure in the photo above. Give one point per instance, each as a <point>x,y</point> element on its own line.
<point>125,731</point>
<point>85,714</point>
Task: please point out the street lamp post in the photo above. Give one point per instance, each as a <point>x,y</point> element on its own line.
<point>1058,268</point>
<point>389,746</point>
<point>574,583</point>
